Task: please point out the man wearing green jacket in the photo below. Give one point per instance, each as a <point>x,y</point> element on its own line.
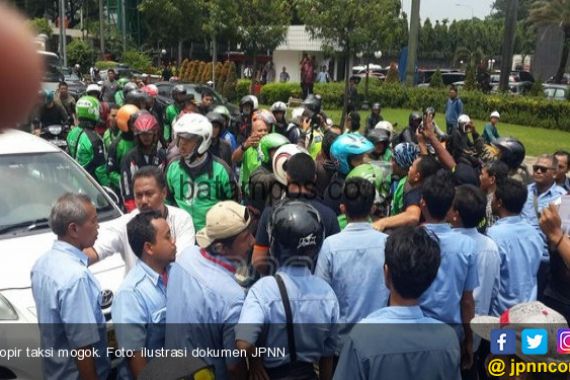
<point>84,144</point>
<point>198,180</point>
<point>121,145</point>
<point>173,110</point>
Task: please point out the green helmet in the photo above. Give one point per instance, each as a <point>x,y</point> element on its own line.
<point>87,108</point>
<point>122,82</point>
<point>268,142</point>
<point>374,174</point>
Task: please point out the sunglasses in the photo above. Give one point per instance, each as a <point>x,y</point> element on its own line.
<point>540,169</point>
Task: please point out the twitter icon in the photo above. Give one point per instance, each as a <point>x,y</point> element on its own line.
<point>534,342</point>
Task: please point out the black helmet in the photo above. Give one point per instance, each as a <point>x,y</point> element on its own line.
<point>296,232</point>
<point>128,88</point>
<point>375,106</point>
<point>512,151</point>
<point>215,117</point>
<point>378,135</point>
<point>178,90</point>
<point>313,103</point>
<point>137,97</point>
<point>414,117</point>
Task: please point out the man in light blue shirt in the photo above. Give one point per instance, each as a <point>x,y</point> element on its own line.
<point>520,248</point>
<point>453,108</point>
<point>139,309</point>
<point>450,297</point>
<point>294,310</point>
<point>203,298</point>
<point>350,260</point>
<point>385,345</point>
<point>68,296</point>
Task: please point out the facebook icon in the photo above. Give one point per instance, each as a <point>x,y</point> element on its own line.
<point>503,342</point>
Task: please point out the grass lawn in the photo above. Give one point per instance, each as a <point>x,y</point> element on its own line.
<point>535,140</point>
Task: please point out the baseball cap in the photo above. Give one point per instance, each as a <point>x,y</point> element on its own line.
<point>223,220</point>
<point>495,114</point>
<point>522,316</point>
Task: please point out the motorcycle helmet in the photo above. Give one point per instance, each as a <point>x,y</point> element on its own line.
<point>378,135</point>
<point>415,118</point>
<point>48,96</point>
<point>151,90</point>
<point>268,142</point>
<point>387,126</point>
<point>376,107</point>
<point>249,99</point>
<point>297,116</point>
<point>405,154</point>
<point>194,124</point>
<point>215,117</point>
<point>124,115</point>
<point>87,108</point>
<point>280,158</point>
<point>138,98</point>
<point>93,90</point>
<point>122,82</point>
<point>130,86</point>
<point>511,151</point>
<point>296,233</point>
<point>222,110</point>
<point>279,107</point>
<point>346,146</point>
<point>313,103</point>
<point>144,122</point>
<point>376,175</point>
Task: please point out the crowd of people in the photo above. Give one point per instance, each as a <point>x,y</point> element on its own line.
<point>292,232</point>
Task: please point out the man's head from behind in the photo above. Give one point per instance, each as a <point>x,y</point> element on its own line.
<point>469,207</point>
<point>412,261</point>
<point>149,188</point>
<point>357,198</point>
<point>301,171</point>
<point>509,198</point>
<point>150,239</point>
<point>73,218</point>
<point>438,192</point>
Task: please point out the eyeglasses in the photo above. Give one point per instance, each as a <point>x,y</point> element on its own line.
<point>540,169</point>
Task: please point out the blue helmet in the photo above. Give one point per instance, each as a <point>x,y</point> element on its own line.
<point>405,153</point>
<point>347,145</point>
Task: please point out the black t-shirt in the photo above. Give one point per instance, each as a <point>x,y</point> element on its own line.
<point>55,115</point>
<point>328,218</point>
<point>465,174</point>
<point>412,197</point>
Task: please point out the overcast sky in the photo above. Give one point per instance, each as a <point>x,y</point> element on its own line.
<point>440,9</point>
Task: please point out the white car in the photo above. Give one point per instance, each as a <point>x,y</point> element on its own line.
<point>34,173</point>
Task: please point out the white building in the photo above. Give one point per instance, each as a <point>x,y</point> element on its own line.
<point>297,42</point>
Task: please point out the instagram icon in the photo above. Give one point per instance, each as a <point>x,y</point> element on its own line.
<point>563,346</point>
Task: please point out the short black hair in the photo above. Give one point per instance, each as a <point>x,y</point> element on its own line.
<point>140,231</point>
<point>412,256</point>
<point>358,197</point>
<point>328,140</point>
<point>428,166</point>
<point>63,83</point>
<point>207,92</point>
<point>512,194</point>
<point>113,106</point>
<point>301,169</point>
<point>497,169</point>
<point>151,171</point>
<point>354,121</point>
<point>563,153</point>
<point>438,192</point>
<point>471,204</point>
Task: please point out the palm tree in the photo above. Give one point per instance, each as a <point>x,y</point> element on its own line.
<point>554,12</point>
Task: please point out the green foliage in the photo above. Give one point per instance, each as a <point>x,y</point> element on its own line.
<point>104,65</point>
<point>241,89</point>
<point>392,76</point>
<point>436,80</point>
<point>470,78</point>
<point>537,89</point>
<point>41,25</point>
<point>136,59</point>
<point>80,52</point>
<point>230,84</point>
<point>273,92</point>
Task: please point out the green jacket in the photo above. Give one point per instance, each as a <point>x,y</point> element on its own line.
<point>170,115</point>
<point>117,151</point>
<point>249,163</point>
<point>197,190</point>
<point>119,98</point>
<point>109,136</point>
<point>398,200</point>
<point>87,148</point>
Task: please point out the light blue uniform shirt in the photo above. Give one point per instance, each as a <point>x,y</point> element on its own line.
<point>457,274</point>
<point>520,250</point>
<point>203,304</point>
<point>352,262</point>
<point>536,203</point>
<point>384,346</point>
<point>139,312</point>
<point>315,314</point>
<point>68,305</point>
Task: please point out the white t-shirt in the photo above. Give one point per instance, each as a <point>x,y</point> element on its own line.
<point>113,237</point>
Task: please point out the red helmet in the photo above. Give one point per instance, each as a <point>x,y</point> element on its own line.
<point>144,122</point>
<point>151,90</point>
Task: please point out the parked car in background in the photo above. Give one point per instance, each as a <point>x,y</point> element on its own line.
<point>556,91</point>
<point>565,79</point>
<point>516,88</point>
<point>52,74</point>
<point>74,83</point>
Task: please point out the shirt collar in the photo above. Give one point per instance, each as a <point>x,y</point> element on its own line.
<point>399,312</point>
<point>295,270</point>
<point>150,273</point>
<point>220,261</point>
<point>358,226</point>
<point>65,247</point>
<point>467,231</point>
<point>534,190</point>
<point>437,227</point>
<point>510,219</point>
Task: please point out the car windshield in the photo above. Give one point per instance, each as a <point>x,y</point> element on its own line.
<point>31,183</point>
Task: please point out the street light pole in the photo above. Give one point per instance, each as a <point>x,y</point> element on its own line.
<point>101,30</point>
<point>62,32</point>
<point>508,45</point>
<point>124,25</point>
<point>413,42</point>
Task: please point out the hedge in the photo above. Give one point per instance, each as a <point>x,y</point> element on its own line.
<point>522,110</point>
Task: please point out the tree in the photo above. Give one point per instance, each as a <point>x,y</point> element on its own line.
<point>554,12</point>
<point>41,26</point>
<point>470,57</point>
<point>500,7</point>
<point>351,27</point>
<point>470,78</point>
<point>80,52</point>
<point>426,46</point>
<point>136,59</point>
<point>436,80</point>
<point>229,90</point>
<point>263,25</point>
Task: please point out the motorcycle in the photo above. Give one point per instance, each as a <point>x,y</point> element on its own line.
<point>55,134</point>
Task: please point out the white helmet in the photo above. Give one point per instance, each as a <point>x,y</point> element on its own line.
<point>385,125</point>
<point>296,115</point>
<point>495,114</point>
<point>93,87</point>
<point>463,119</point>
<point>281,156</point>
<point>195,124</point>
<point>279,107</point>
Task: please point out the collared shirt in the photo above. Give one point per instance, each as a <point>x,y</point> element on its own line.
<point>352,263</point>
<point>68,306</point>
<point>535,203</point>
<point>457,274</point>
<point>383,346</point>
<point>203,304</point>
<point>113,237</point>
<point>566,184</point>
<point>520,248</point>
<point>315,314</point>
<point>139,312</point>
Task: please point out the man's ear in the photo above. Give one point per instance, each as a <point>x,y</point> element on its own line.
<point>148,248</point>
<point>342,209</point>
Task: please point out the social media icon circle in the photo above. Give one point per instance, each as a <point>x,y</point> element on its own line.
<point>503,342</point>
<point>563,341</point>
<point>534,342</point>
